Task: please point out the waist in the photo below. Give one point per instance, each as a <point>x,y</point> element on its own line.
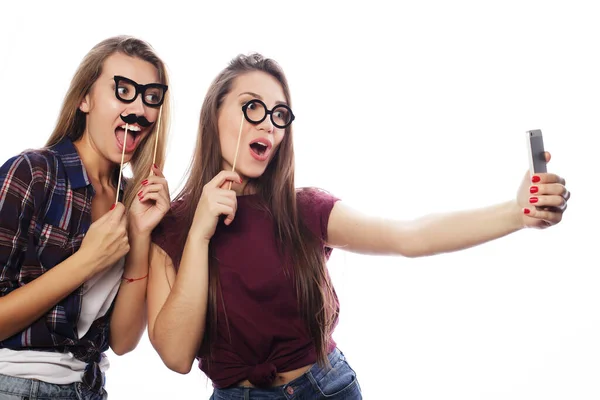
<point>305,385</point>
<point>285,362</point>
<point>282,378</point>
<point>24,388</point>
<point>47,366</point>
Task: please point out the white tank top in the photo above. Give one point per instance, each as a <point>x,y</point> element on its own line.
<point>63,368</point>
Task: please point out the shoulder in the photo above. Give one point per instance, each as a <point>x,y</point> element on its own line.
<point>29,168</point>
<point>173,218</point>
<point>315,206</point>
<point>30,160</point>
<point>27,179</point>
<point>169,235</point>
<point>313,199</point>
<point>172,224</point>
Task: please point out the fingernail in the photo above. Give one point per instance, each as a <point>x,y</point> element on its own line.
<point>526,211</point>
<point>533,189</point>
<point>140,193</point>
<point>145,182</point>
<point>155,166</point>
<point>141,198</point>
<point>113,206</point>
<point>240,180</point>
<point>535,179</point>
<point>533,199</point>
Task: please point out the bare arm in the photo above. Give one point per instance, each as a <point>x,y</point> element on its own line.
<point>20,192</point>
<point>23,306</point>
<point>425,236</point>
<point>177,314</point>
<point>449,232</point>
<point>128,320</point>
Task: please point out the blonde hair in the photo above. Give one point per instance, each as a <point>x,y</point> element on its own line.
<point>71,120</point>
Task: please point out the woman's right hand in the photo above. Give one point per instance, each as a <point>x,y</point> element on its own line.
<point>106,240</point>
<point>216,200</point>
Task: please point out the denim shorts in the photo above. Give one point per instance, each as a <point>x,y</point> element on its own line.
<point>12,388</point>
<point>336,383</point>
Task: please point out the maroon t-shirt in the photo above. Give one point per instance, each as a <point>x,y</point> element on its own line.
<point>262,330</point>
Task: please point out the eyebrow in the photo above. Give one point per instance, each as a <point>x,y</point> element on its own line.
<point>258,96</point>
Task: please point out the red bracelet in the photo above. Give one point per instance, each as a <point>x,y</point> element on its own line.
<point>134,279</point>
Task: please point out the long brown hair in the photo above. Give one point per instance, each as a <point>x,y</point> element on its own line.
<point>71,120</point>
<point>277,192</point>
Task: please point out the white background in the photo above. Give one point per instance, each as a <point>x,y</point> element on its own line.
<point>403,109</point>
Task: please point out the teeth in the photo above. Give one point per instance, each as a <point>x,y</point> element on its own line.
<point>132,128</point>
<point>262,144</point>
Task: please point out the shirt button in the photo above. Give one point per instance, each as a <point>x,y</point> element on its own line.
<point>290,390</point>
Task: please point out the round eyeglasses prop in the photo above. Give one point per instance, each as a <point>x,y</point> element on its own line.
<point>255,112</point>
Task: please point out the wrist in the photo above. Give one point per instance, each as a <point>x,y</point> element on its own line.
<point>91,263</point>
<point>134,231</point>
<point>515,215</point>
<point>139,237</point>
<point>197,238</point>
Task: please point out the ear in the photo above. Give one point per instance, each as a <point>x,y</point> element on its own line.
<point>85,104</point>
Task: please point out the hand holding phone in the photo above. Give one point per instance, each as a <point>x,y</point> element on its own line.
<point>537,154</point>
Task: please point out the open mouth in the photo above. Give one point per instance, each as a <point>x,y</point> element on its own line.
<point>260,149</point>
<point>133,136</point>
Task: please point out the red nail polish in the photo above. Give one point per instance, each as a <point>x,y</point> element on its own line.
<point>113,206</point>
<point>533,189</point>
<point>145,182</point>
<point>155,166</point>
<point>533,199</point>
<point>141,198</point>
<point>140,193</point>
<point>535,179</point>
<point>526,211</point>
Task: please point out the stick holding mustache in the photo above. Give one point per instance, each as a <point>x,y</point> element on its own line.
<point>122,158</point>
<point>142,121</point>
<point>156,139</point>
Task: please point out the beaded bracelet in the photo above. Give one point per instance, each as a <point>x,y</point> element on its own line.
<point>134,279</point>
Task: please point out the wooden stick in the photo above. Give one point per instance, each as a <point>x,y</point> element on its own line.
<point>122,158</point>
<point>156,139</point>
<point>237,148</point>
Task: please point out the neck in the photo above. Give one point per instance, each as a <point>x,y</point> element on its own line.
<point>240,189</point>
<point>97,167</point>
<point>243,188</point>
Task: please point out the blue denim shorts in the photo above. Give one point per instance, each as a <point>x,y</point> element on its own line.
<point>12,388</point>
<point>336,383</point>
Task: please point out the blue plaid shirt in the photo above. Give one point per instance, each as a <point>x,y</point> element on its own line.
<point>45,212</point>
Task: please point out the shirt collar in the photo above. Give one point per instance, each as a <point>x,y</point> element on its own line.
<point>74,166</point>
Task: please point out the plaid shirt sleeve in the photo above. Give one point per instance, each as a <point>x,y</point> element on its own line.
<point>22,190</point>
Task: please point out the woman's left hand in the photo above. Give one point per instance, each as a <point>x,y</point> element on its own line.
<point>151,204</point>
<point>543,198</point>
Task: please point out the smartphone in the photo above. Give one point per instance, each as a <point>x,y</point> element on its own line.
<point>537,157</point>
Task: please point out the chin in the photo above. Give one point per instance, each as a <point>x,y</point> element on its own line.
<point>115,157</point>
<point>252,173</point>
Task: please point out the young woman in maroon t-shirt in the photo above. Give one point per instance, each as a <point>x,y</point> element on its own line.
<point>238,274</point>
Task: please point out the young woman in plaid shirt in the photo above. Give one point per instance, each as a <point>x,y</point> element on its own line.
<point>66,247</point>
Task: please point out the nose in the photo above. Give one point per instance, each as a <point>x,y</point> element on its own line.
<point>266,125</point>
<point>136,107</point>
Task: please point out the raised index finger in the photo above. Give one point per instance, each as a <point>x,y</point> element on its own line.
<point>117,213</point>
<point>157,171</point>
